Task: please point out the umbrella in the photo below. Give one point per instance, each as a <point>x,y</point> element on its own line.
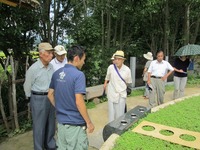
<point>190,49</point>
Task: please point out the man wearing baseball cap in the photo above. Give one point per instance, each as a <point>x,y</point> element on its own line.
<point>60,57</point>
<point>36,86</point>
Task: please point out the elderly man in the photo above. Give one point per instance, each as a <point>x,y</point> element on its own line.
<point>60,57</point>
<point>119,77</point>
<point>158,72</point>
<point>36,87</point>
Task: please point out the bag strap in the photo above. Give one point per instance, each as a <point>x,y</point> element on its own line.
<point>118,73</point>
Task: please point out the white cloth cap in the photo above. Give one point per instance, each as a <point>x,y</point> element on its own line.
<point>60,50</point>
<point>148,56</point>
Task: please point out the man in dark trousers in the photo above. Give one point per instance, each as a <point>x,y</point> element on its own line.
<point>68,87</point>
<point>36,87</point>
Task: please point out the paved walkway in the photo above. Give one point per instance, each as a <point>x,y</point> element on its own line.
<point>99,117</point>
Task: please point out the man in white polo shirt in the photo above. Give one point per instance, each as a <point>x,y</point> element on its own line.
<point>158,72</point>
<point>60,57</point>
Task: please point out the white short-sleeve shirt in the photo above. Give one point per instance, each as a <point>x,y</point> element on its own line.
<point>57,65</point>
<point>159,69</point>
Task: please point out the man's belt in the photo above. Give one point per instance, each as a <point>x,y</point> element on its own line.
<point>39,93</point>
<point>156,77</point>
<point>81,125</point>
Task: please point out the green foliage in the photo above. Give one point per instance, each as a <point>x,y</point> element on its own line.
<point>90,105</point>
<point>166,132</point>
<point>174,115</point>
<point>148,128</point>
<point>87,32</point>
<point>25,125</point>
<point>193,80</point>
<point>2,55</point>
<point>18,29</point>
<point>96,65</point>
<point>187,137</point>
<point>137,92</point>
<point>103,99</point>
<point>169,87</point>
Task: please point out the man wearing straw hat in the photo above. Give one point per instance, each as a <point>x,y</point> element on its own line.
<point>116,89</point>
<point>149,58</point>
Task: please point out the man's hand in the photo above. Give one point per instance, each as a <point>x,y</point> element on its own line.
<point>90,127</point>
<point>181,71</point>
<point>148,82</point>
<point>164,78</point>
<point>28,100</point>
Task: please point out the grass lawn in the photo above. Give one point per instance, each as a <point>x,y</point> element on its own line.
<point>184,115</point>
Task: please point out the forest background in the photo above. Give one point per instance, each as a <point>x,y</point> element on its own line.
<point>102,26</point>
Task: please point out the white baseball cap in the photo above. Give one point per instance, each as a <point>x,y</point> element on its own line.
<point>60,50</point>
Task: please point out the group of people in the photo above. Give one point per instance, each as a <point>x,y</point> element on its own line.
<point>58,85</point>
<point>156,72</point>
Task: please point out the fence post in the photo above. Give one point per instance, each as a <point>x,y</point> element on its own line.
<point>133,69</point>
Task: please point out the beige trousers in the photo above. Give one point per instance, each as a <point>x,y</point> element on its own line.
<point>156,95</point>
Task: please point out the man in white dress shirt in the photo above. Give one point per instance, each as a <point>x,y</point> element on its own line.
<point>158,72</point>
<point>60,57</point>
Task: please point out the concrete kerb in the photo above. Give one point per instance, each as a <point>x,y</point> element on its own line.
<point>110,142</point>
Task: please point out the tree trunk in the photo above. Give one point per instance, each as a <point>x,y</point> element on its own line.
<point>45,20</point>
<point>186,25</point>
<point>173,37</point>
<point>55,22</point>
<point>108,25</point>
<point>115,33</point>
<point>166,29</point>
<point>10,102</point>
<point>1,101</point>
<point>3,112</point>
<point>28,105</point>
<point>85,7</point>
<point>102,28</point>
<point>195,34</point>
<point>121,30</point>
<point>14,94</point>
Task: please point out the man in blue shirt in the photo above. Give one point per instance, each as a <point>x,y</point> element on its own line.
<point>66,93</point>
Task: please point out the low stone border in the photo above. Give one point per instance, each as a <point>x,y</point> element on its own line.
<point>110,142</point>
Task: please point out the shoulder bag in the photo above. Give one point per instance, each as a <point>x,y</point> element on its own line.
<point>128,89</point>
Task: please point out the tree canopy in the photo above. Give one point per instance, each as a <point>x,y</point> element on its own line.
<point>103,26</point>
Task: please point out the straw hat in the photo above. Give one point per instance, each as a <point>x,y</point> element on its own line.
<point>148,56</point>
<point>119,54</point>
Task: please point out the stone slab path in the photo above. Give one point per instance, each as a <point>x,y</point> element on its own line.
<point>99,117</point>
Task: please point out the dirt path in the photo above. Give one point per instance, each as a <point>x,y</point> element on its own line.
<point>99,117</point>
